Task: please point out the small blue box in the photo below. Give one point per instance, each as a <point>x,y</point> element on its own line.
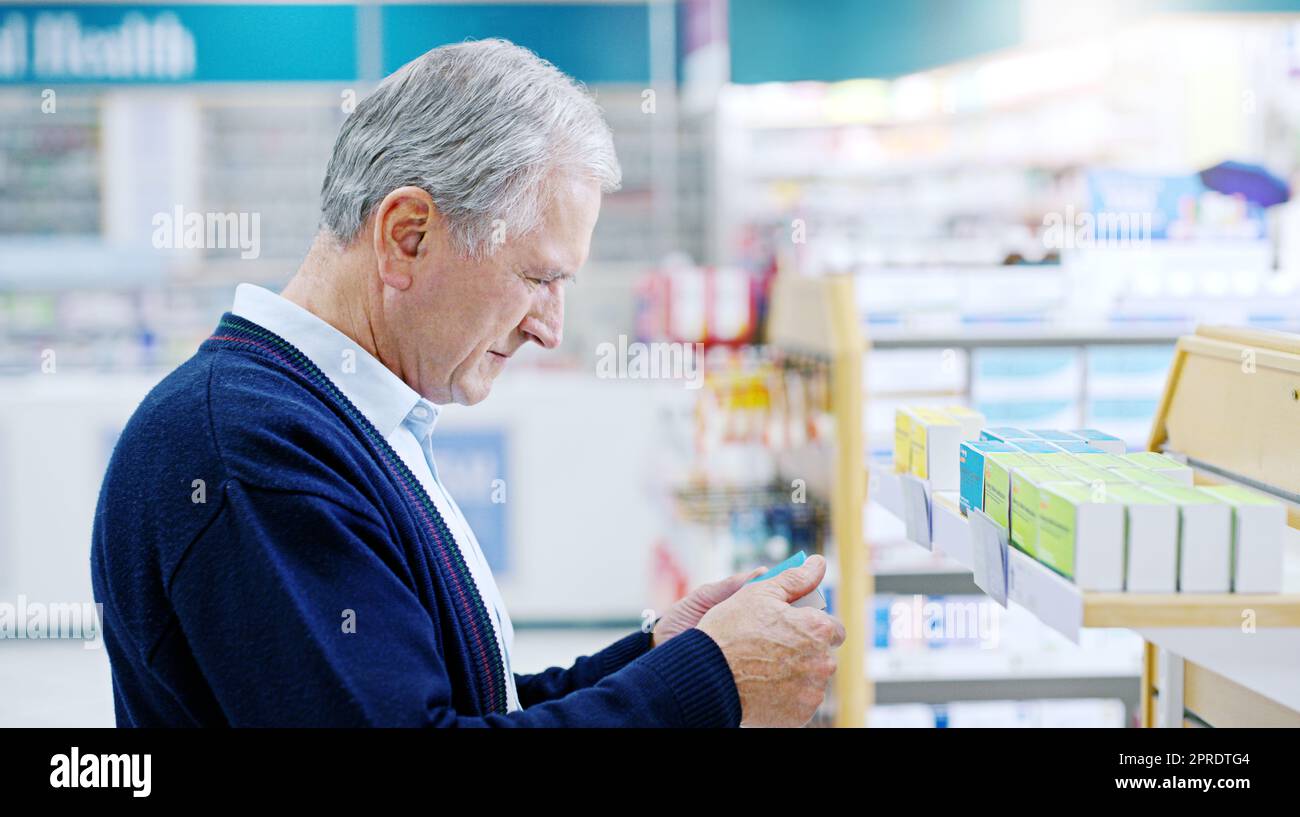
<point>796,560</point>
<point>1108,443</point>
<point>1054,435</point>
<point>1077,447</point>
<point>1005,433</point>
<point>1035,446</point>
<point>972,471</point>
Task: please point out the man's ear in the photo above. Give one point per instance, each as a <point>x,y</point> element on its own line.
<point>404,221</point>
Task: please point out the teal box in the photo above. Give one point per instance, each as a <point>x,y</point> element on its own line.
<point>1054,435</point>
<point>1005,433</point>
<point>1077,447</point>
<point>1034,446</point>
<point>972,471</point>
<point>1108,443</point>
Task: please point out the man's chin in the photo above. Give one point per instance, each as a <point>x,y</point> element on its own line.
<point>471,394</point>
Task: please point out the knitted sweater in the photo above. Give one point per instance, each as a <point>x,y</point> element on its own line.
<point>264,558</point>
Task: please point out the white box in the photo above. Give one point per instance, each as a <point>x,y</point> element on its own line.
<point>1151,540</point>
<point>1204,540</point>
<point>936,450</point>
<point>972,422</point>
<point>1258,532</point>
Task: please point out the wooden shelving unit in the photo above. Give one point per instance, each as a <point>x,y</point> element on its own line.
<point>816,318</point>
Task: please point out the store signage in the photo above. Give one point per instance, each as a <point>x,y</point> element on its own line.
<point>227,42</point>
<point>107,43</point>
<point>138,47</point>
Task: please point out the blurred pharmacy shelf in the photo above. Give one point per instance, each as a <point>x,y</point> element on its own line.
<point>1209,659</point>
<point>1032,338</point>
<point>1218,659</point>
<point>1041,714</point>
<point>1058,603</point>
<point>1206,628</point>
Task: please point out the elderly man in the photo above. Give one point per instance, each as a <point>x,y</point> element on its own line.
<point>273,545</point>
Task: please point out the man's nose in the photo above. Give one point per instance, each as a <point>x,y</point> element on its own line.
<point>545,324</point>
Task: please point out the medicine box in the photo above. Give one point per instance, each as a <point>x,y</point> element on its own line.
<point>1081,537</point>
<point>971,421</point>
<point>1144,476</point>
<point>1054,435</point>
<point>1035,446</point>
<point>1204,539</point>
<point>1160,464</point>
<point>1108,461</point>
<point>1059,459</point>
<point>1150,539</point>
<point>936,449</point>
<point>997,483</point>
<point>1258,531</point>
<point>1093,476</point>
<point>1025,483</point>
<point>1106,442</point>
<point>972,471</point>
<point>903,440</point>
<point>1077,447</point>
<point>1005,433</point>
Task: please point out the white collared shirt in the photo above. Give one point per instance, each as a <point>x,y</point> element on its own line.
<point>405,419</point>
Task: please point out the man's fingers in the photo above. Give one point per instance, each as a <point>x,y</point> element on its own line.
<point>798,582</point>
<point>840,633</point>
<point>717,592</point>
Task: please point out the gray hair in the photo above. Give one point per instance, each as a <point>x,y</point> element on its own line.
<point>484,127</point>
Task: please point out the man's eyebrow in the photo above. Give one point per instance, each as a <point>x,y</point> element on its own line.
<point>560,275</point>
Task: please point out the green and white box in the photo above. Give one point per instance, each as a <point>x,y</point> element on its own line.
<point>1161,464</point>
<point>1025,483</point>
<point>1150,537</point>
<point>1104,461</point>
<point>1145,476</point>
<point>1204,539</point>
<point>1058,459</point>
<point>997,482</point>
<point>1081,535</point>
<point>1258,532</point>
<point>1090,475</point>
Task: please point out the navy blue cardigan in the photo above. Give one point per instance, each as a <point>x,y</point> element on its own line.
<point>250,512</point>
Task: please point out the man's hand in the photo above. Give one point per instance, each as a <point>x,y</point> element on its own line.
<point>779,655</point>
<point>687,612</point>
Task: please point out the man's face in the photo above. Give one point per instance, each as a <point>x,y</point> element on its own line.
<point>461,320</point>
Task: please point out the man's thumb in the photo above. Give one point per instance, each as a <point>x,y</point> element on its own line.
<point>802,580</point>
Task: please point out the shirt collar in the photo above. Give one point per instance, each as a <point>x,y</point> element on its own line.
<point>381,396</point>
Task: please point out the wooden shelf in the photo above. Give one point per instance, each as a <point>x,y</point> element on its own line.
<point>818,317</point>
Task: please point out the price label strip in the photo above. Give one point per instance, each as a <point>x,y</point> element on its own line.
<point>990,551</point>
<point>916,510</point>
